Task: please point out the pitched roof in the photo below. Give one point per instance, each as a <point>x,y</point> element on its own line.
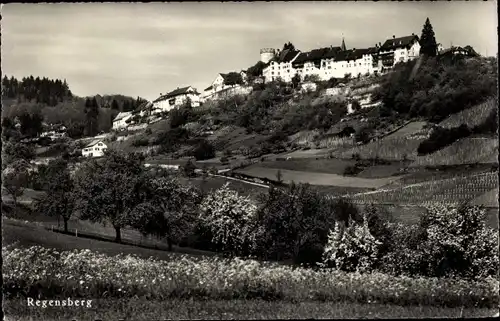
<point>332,52</point>
<point>208,88</point>
<point>313,55</point>
<point>400,42</point>
<point>122,115</point>
<point>286,55</point>
<point>94,142</point>
<point>177,92</point>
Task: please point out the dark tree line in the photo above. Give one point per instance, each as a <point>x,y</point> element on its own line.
<point>91,116</point>
<point>41,90</point>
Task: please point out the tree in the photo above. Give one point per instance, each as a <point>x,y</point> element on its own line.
<point>204,150</point>
<point>296,81</point>
<point>109,190</point>
<point>168,211</point>
<point>92,113</point>
<point>289,46</point>
<point>233,78</point>
<point>15,179</point>
<point>188,169</point>
<point>31,124</point>
<point>114,105</point>
<point>256,70</point>
<point>355,105</point>
<point>279,176</point>
<point>230,219</point>
<point>14,151</point>
<point>294,222</point>
<point>59,201</point>
<point>428,45</point>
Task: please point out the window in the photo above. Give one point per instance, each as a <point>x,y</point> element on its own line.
<point>171,102</point>
<point>272,73</point>
<point>288,70</point>
<point>329,67</point>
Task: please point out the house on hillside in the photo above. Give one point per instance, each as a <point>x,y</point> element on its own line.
<point>177,98</point>
<point>280,66</point>
<point>95,149</point>
<point>227,83</point>
<point>397,50</point>
<point>458,51</point>
<point>120,121</point>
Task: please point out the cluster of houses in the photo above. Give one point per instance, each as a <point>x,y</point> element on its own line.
<point>325,63</point>
<point>322,64</point>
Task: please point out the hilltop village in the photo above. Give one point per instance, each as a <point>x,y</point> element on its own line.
<point>306,67</point>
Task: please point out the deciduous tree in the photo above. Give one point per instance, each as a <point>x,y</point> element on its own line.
<point>109,189</point>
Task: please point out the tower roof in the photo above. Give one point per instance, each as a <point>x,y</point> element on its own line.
<point>342,47</point>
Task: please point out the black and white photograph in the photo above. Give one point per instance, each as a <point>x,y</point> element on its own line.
<point>249,160</point>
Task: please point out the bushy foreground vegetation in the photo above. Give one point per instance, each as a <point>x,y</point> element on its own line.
<point>294,223</point>
<point>48,273</point>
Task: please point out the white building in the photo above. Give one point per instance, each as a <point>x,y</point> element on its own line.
<point>177,98</point>
<point>221,83</point>
<point>398,50</point>
<point>280,66</point>
<point>353,62</point>
<point>121,119</point>
<point>95,149</point>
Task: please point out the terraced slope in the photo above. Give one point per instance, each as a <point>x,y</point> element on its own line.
<point>450,191</point>
<point>472,116</point>
<point>470,150</point>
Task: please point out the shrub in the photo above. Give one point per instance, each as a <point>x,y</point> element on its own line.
<point>204,150</point>
<point>351,249</point>
<point>188,169</point>
<point>458,242</point>
<point>140,142</point>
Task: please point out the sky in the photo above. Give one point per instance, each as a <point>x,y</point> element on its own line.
<point>144,49</point>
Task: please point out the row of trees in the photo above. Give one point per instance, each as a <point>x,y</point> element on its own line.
<point>287,223</point>
<point>40,90</point>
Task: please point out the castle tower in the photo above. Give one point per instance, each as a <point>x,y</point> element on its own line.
<point>266,54</point>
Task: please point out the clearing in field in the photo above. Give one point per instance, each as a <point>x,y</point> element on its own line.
<point>316,178</point>
<point>470,150</point>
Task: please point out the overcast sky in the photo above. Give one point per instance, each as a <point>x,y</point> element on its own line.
<point>143,49</point>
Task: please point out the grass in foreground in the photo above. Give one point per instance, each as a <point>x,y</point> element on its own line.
<point>142,309</point>
<point>42,272</point>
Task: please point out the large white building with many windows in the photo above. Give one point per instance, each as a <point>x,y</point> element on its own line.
<point>336,62</point>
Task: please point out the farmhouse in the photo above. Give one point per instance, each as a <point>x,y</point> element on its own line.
<point>95,149</point>
<point>120,120</point>
<point>177,98</point>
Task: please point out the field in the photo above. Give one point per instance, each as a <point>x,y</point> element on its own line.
<point>398,148</point>
<point>325,165</point>
<point>470,150</point>
<point>215,182</point>
<point>22,234</point>
<point>315,178</point>
<point>472,116</point>
<point>413,128</point>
